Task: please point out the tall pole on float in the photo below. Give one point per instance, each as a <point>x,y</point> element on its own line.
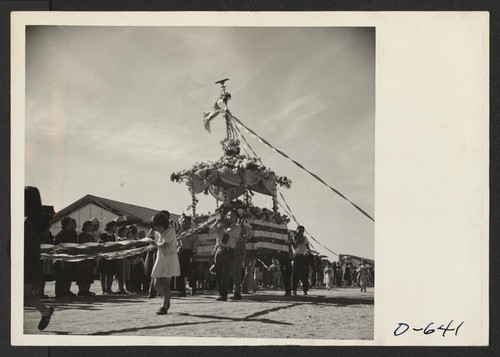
<point>225,96</point>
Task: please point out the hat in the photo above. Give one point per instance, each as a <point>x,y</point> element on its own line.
<point>95,221</point>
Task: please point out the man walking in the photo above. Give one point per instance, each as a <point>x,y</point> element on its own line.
<point>188,248</point>
<point>301,250</point>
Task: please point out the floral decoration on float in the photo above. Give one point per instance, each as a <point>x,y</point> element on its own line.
<point>232,170</point>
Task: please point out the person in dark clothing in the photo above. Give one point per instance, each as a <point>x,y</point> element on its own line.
<point>240,253</point>
<point>148,268</point>
<point>301,261</point>
<point>85,275</point>
<point>107,267</point>
<point>348,274</point>
<point>32,254</point>
<point>188,249</point>
<point>354,276</point>
<point>338,275</point>
<point>286,269</point>
<point>228,233</point>
<point>145,279</point>
<point>46,237</point>
<point>136,265</point>
<point>65,271</point>
<point>317,276</point>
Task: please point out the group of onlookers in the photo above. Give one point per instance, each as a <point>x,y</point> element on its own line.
<point>67,272</point>
<point>349,275</point>
<point>130,273</point>
<point>324,274</point>
<point>332,274</point>
<point>234,271</point>
<point>231,261</point>
<point>290,271</point>
<point>171,260</point>
<point>64,273</point>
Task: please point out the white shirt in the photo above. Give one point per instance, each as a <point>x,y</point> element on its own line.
<point>301,248</point>
<point>233,231</point>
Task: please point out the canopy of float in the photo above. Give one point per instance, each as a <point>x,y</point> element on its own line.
<point>233,184</point>
<point>233,181</point>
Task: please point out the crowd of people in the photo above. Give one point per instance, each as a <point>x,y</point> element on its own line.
<point>172,261</point>
<point>327,275</point>
<point>320,274</point>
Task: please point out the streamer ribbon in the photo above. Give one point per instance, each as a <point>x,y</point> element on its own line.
<point>287,209</point>
<point>265,142</point>
<point>73,252</point>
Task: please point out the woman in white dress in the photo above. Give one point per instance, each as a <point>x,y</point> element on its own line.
<point>167,262</point>
<point>328,280</point>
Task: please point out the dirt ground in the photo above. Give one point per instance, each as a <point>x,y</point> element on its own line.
<point>337,314</point>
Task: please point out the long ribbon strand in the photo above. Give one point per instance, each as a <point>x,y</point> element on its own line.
<point>254,134</point>
<point>287,209</point>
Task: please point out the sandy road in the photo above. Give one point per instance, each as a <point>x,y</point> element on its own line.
<point>338,314</point>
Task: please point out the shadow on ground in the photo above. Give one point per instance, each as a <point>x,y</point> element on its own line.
<point>92,303</point>
<point>311,299</point>
<point>206,319</point>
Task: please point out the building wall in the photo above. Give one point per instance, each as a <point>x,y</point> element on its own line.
<point>87,213</point>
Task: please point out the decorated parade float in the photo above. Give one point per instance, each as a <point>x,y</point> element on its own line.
<point>233,180</point>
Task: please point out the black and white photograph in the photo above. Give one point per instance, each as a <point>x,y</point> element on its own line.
<point>213,183</point>
<point>254,132</point>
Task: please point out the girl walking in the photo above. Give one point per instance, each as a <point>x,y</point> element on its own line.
<point>167,262</point>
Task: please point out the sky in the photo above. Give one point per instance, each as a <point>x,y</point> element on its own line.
<point>113,111</point>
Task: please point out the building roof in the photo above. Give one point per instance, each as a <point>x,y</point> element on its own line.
<point>355,259</point>
<point>142,214</point>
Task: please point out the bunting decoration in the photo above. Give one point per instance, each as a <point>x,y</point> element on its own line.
<point>74,252</point>
<point>263,239</point>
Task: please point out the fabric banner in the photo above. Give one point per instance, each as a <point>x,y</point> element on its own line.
<point>220,106</point>
<point>266,239</point>
<point>74,252</point>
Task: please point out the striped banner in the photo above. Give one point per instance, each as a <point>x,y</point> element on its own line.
<point>265,142</point>
<point>266,239</point>
<point>73,252</point>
